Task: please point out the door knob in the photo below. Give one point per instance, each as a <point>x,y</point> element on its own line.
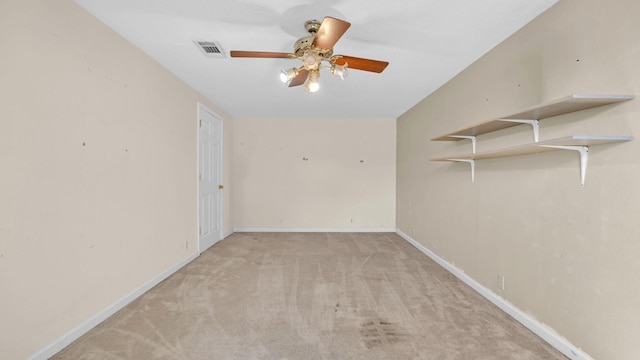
<point>220,187</point>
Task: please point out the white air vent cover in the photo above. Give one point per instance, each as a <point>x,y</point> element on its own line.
<point>210,48</point>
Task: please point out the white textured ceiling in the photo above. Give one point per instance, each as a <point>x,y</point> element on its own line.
<point>427,42</point>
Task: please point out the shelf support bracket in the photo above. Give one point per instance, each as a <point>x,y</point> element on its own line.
<point>470,137</point>
<point>584,157</point>
<point>535,124</point>
<point>473,167</point>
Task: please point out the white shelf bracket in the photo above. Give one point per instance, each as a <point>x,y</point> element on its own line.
<point>473,167</point>
<point>535,124</point>
<point>584,157</point>
<point>470,137</point>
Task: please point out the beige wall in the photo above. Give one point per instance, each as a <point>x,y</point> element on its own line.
<point>348,181</point>
<point>570,255</point>
<point>97,171</point>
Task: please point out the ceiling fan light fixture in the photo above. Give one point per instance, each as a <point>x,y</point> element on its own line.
<point>312,84</point>
<point>287,74</point>
<point>340,71</point>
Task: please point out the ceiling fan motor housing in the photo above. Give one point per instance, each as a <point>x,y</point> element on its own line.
<point>305,51</point>
<point>303,44</point>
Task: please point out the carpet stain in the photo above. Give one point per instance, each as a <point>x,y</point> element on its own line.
<point>380,332</point>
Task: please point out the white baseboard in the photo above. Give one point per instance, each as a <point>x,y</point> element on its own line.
<point>314,230</point>
<point>74,334</point>
<point>543,331</point>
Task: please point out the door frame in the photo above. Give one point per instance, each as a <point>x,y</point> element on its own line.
<point>200,108</point>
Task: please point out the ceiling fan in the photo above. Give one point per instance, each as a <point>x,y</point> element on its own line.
<point>315,49</point>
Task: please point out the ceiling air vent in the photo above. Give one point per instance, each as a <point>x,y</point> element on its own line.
<point>210,49</point>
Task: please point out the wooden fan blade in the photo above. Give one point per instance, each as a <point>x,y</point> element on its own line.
<point>260,54</point>
<point>330,31</point>
<point>362,64</point>
<point>300,78</point>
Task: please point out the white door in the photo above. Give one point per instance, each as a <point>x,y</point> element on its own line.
<point>210,171</point>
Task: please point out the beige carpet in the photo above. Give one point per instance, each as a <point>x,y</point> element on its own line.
<point>310,296</point>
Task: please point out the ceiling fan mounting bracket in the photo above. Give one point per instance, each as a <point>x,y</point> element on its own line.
<point>312,26</point>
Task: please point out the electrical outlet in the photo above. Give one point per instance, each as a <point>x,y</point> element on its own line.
<point>500,281</point>
<point>186,245</point>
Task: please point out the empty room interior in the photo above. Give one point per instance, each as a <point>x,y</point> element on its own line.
<point>475,172</point>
